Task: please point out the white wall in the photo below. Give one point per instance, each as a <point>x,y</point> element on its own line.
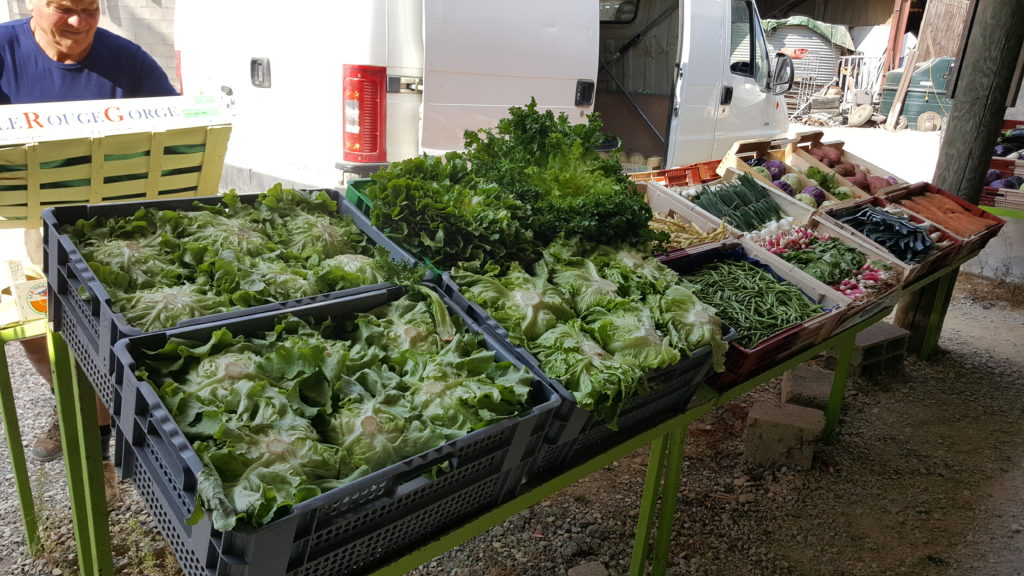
<point>149,23</point>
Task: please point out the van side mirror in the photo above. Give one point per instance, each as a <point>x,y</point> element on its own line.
<point>782,73</point>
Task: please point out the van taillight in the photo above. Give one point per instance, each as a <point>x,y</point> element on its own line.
<point>364,114</point>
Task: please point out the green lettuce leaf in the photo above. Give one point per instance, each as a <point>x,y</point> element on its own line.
<point>630,332</point>
<point>600,382</point>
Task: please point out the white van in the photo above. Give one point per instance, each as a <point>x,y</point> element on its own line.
<point>329,89</point>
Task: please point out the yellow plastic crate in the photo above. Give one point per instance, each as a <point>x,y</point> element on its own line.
<point>173,163</point>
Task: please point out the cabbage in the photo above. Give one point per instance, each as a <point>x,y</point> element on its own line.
<point>163,307</point>
<point>630,332</point>
<point>600,381</point>
<point>784,186</point>
<point>775,168</point>
<point>763,172</point>
<point>815,192</point>
<point>842,193</point>
<point>526,306</point>
<point>807,199</point>
<point>795,181</point>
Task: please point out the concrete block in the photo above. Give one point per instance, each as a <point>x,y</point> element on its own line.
<point>873,344</point>
<point>782,434</point>
<point>808,386</point>
<point>592,568</point>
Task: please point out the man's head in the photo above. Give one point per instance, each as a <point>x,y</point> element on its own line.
<point>65,29</point>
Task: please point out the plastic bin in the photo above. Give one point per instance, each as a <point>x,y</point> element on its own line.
<point>350,529</point>
<point>81,308</point>
<point>576,434</point>
<point>926,91</point>
<point>742,363</point>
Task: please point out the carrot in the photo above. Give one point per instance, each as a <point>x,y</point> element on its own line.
<point>970,223</point>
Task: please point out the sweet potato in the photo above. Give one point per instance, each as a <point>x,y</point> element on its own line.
<point>876,183</point>
<point>858,179</point>
<point>845,169</point>
<point>832,156</point>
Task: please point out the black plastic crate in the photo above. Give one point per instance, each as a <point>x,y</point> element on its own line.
<point>347,530</point>
<point>80,307</point>
<point>576,434</point>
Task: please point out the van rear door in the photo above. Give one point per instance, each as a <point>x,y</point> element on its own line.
<point>482,57</point>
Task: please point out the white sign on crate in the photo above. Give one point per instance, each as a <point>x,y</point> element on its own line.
<point>25,123</point>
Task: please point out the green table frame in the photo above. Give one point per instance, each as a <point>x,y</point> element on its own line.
<point>77,415</point>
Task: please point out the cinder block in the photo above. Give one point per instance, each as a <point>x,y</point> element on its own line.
<point>873,344</point>
<point>782,434</point>
<point>808,386</point>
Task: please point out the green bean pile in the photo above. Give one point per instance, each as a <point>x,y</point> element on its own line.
<point>750,300</point>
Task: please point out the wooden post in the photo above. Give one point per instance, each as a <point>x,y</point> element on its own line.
<point>992,46</point>
<point>901,92</point>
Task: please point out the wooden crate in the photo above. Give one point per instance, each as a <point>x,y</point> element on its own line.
<point>746,150</point>
<point>938,259</point>
<point>800,212</point>
<point>802,144</point>
<point>173,163</point>
<point>968,245</point>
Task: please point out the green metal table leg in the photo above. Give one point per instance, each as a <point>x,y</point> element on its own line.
<point>669,496</point>
<point>9,415</point>
<point>76,409</point>
<point>648,505</point>
<point>931,335</point>
<point>845,345</point>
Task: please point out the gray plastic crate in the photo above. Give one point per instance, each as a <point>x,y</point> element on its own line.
<point>347,530</point>
<point>80,307</point>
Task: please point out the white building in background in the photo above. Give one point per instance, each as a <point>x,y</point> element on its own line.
<point>149,23</point>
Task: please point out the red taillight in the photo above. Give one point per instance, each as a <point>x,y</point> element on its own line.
<point>177,70</point>
<point>364,113</point>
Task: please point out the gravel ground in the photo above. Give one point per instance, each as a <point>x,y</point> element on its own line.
<point>926,478</point>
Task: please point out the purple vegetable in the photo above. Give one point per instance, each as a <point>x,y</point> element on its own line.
<point>815,192</point>
<point>892,180</point>
<point>776,168</point>
<point>1003,150</point>
<point>755,162</point>
<point>998,183</point>
<point>992,175</point>
<point>1013,181</point>
<point>784,186</point>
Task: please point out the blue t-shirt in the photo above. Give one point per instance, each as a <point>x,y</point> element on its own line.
<point>114,68</point>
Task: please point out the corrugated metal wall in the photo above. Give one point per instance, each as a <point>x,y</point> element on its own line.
<point>819,64</point>
<point>816,70</point>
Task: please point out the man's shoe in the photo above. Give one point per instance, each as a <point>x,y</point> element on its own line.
<point>46,447</point>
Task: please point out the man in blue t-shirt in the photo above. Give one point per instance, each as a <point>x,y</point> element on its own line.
<point>60,54</point>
